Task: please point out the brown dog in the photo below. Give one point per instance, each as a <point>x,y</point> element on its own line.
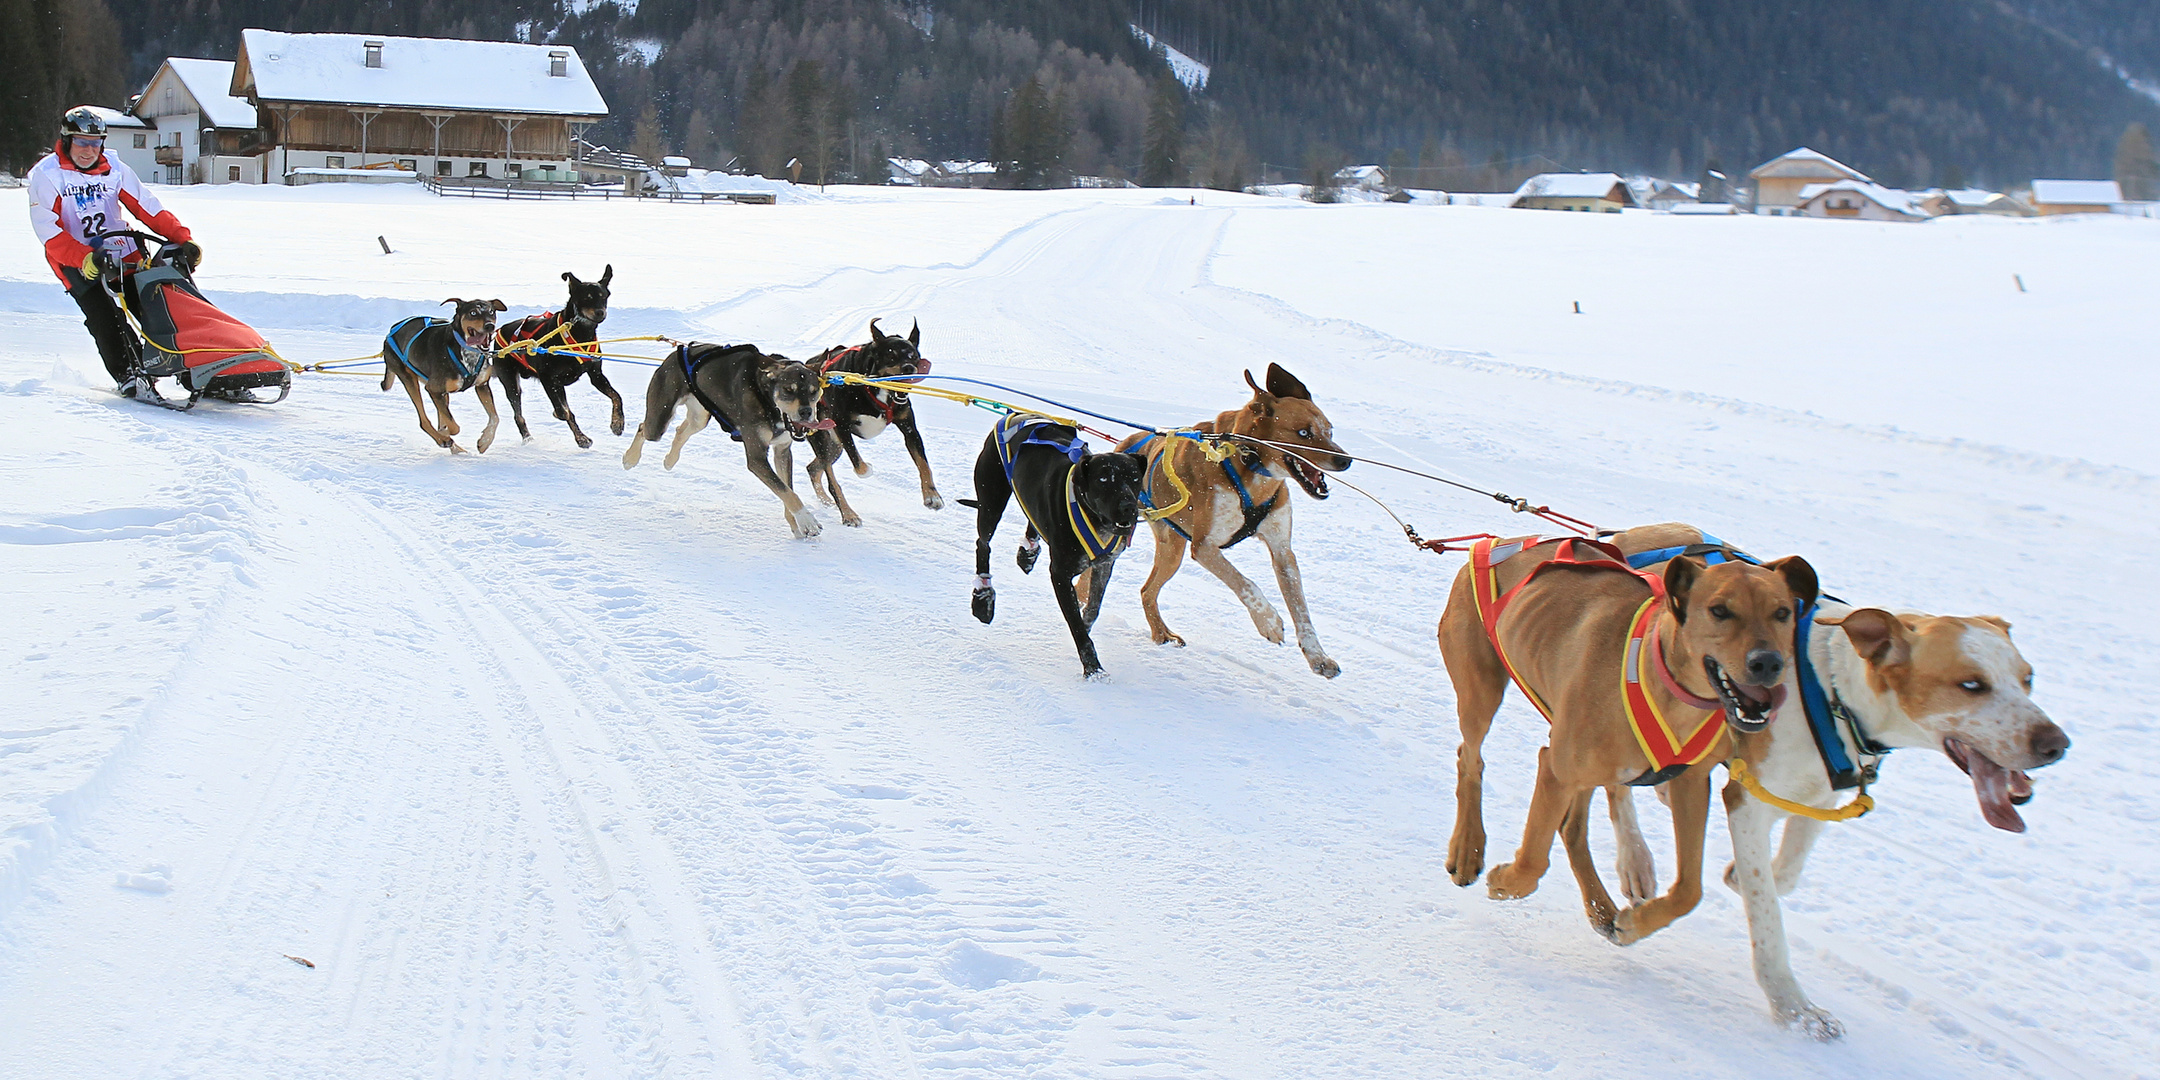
<point>1284,435</point>
<point>1719,641</point>
<point>446,356</point>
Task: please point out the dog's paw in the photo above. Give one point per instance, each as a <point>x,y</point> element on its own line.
<point>1816,1023</point>
<point>852,521</point>
<point>1027,555</point>
<point>1168,638</point>
<point>804,523</point>
<point>454,447</point>
<point>983,602</point>
<point>486,441</point>
<point>584,441</point>
<point>1268,623</point>
<point>1732,876</point>
<point>615,425</point>
<point>1324,667</point>
<point>934,501</point>
<point>862,468</point>
<point>1095,675</point>
<point>1507,883</point>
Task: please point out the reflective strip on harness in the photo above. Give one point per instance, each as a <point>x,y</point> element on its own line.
<point>1664,747</point>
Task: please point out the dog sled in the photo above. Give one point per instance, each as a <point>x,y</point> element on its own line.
<point>186,338</point>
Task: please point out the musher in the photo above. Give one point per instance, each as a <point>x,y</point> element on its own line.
<point>77,193</point>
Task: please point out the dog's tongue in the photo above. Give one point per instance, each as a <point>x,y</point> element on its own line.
<point>825,424</point>
<point>1993,785</point>
<point>1768,701</point>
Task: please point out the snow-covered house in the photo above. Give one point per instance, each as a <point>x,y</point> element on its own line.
<point>1779,181</point>
<point>1362,177</point>
<point>202,133</point>
<point>499,110</point>
<point>1860,201</point>
<point>1939,202</point>
<point>1664,194</point>
<point>2051,197</point>
<point>1584,192</point>
<point>906,172</point>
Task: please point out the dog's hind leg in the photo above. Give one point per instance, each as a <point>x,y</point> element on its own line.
<point>1690,792</point>
<point>824,450</point>
<point>412,390</point>
<point>992,492</point>
<point>1549,803</point>
<point>1263,613</point>
<point>694,420</point>
<point>558,396</point>
<point>1575,836</point>
<point>1480,680</point>
<point>516,393</point>
<point>607,389</point>
<point>487,402</point>
<point>1632,859</point>
<point>914,441</point>
<point>1275,533</point>
<point>1753,874</point>
<point>1169,555</point>
<point>446,428</point>
<point>854,453</point>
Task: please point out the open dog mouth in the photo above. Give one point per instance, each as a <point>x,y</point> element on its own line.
<point>801,429</point>
<point>1999,790</point>
<point>1308,476</point>
<point>478,339</point>
<point>1747,708</point>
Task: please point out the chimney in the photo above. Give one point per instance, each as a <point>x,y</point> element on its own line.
<point>559,63</point>
<point>374,54</point>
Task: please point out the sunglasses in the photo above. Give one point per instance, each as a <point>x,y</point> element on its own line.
<point>81,140</point>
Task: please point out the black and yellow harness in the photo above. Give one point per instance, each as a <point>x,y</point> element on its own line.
<point>1019,429</point>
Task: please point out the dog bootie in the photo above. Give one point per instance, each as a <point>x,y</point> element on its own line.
<point>983,601</point>
<point>1030,550</point>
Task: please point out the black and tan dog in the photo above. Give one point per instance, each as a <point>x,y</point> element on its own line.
<point>1083,505</point>
<point>767,402</point>
<point>1244,494</point>
<point>861,412</point>
<point>446,356</point>
<point>550,349</point>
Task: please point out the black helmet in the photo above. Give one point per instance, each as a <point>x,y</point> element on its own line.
<point>84,121</point>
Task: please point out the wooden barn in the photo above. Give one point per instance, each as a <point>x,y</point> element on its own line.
<point>355,107</point>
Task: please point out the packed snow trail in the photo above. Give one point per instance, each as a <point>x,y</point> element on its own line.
<point>556,769</point>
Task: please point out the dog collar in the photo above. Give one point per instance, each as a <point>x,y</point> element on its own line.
<point>1654,650</point>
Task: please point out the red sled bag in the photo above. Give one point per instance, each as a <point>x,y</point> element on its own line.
<point>211,353</point>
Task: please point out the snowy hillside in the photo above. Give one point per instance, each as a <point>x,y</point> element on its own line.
<point>552,769</point>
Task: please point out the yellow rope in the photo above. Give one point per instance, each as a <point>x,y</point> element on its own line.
<point>1860,805</point>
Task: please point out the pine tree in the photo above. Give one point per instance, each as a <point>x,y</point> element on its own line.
<point>1162,155</point>
<point>2135,168</point>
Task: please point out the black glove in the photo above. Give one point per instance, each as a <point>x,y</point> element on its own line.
<point>187,255</point>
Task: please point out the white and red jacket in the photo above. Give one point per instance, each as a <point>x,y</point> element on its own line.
<point>68,204</point>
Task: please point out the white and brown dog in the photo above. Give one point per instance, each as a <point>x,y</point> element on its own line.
<point>1905,680</point>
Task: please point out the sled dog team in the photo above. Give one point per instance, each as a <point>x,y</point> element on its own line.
<point>1655,654</point>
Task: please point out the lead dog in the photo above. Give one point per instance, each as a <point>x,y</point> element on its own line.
<point>1243,495</point>
<point>447,356</point>
<point>1083,505</point>
<point>552,359</point>
<point>1586,641</point>
<point>861,412</point>
<point>1955,684</point>
<point>766,401</point>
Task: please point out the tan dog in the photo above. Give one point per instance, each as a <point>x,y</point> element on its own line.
<point>1907,680</point>
<point>1725,635</point>
<point>1218,516</point>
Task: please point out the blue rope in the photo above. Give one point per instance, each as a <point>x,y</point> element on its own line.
<point>838,381</point>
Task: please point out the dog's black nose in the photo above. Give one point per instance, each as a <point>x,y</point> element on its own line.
<point>1765,667</point>
<point>2050,743</point>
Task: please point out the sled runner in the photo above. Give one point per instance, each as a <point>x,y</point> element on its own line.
<point>186,338</point>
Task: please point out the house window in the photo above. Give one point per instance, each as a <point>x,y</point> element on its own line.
<point>408,164</point>
<point>479,168</point>
<point>513,171</point>
<point>142,140</point>
<point>232,174</point>
<point>442,168</point>
<point>559,63</point>
<point>334,161</point>
<point>374,54</point>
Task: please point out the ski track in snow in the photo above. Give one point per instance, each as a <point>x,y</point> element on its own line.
<point>556,769</point>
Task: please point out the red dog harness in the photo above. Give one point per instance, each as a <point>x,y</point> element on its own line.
<point>540,330</point>
<point>1667,749</point>
<point>878,396</point>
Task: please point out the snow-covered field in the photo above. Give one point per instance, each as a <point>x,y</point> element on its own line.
<point>553,769</point>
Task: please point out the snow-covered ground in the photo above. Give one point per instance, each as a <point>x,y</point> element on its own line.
<point>550,768</point>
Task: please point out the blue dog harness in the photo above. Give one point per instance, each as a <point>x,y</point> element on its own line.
<point>401,350</point>
<point>690,369</point>
<point>1824,715</point>
<point>1255,515</point>
<point>1015,430</point>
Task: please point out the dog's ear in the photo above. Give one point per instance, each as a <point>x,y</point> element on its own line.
<point>607,275</point>
<point>914,334</point>
<point>1878,636</point>
<point>1799,576</point>
<point>1680,575</point>
<point>876,335</point>
<point>453,301</point>
<point>569,277</point>
<point>1263,403</point>
<point>1996,621</point>
<point>499,305</point>
<point>1283,384</point>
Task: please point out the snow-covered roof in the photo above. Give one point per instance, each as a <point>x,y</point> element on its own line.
<point>1570,186</point>
<point>115,118</point>
<point>209,82</point>
<point>1897,199</point>
<point>423,73</point>
<point>910,166</point>
<point>1360,172</point>
<point>1967,197</point>
<point>967,168</point>
<point>1804,162</point>
<point>2077,192</point>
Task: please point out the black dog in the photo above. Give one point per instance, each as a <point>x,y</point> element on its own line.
<point>550,337</point>
<point>1085,505</point>
<point>861,412</point>
<point>447,356</point>
<point>767,402</point>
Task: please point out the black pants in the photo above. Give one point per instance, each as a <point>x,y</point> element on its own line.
<point>116,341</point>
